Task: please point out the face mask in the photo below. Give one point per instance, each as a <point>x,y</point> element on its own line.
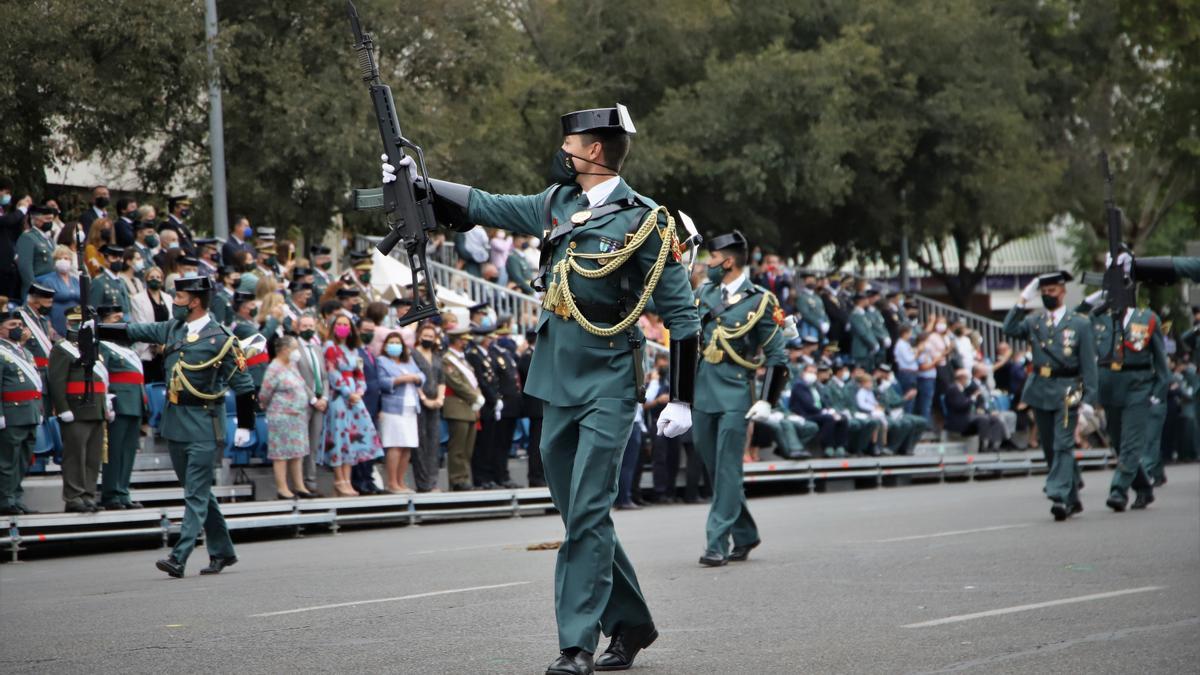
<point>562,169</point>
<point>15,334</point>
<point>188,275</point>
<point>367,336</point>
<point>809,378</point>
<point>271,260</point>
<point>811,287</point>
<point>757,257</point>
<point>118,266</point>
<point>213,257</point>
<point>46,226</point>
<point>394,350</point>
<point>715,273</point>
<point>326,265</point>
<point>248,268</point>
<point>356,308</point>
<point>172,245</point>
<point>365,277</point>
<point>487,322</point>
<point>5,199</point>
<point>151,241</point>
<point>139,266</point>
<point>308,334</point>
<point>101,202</point>
<point>844,377</point>
<point>427,344</point>
<point>941,328</point>
<point>63,266</point>
<point>247,232</point>
<point>1050,302</point>
<point>341,330</point>
<point>154,284</point>
<point>294,356</point>
<point>253,312</point>
<point>180,312</point>
<point>185,213</point>
<point>234,282</point>
<point>44,311</point>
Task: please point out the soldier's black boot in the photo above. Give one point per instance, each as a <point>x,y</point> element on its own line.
<point>741,553</point>
<point>1116,501</point>
<point>171,566</point>
<point>215,565</point>
<point>1060,511</point>
<point>710,559</point>
<point>1144,498</point>
<point>572,662</point>
<point>624,647</point>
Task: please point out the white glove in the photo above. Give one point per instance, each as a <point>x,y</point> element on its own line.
<point>1095,298</point>
<point>1154,400</point>
<point>759,411</point>
<point>824,327</point>
<point>499,409</point>
<point>789,328</point>
<point>3,422</point>
<point>389,171</point>
<point>775,417</point>
<point>68,417</point>
<point>887,342</point>
<point>1123,259</point>
<point>1030,292</point>
<point>241,437</point>
<point>675,419</point>
<point>477,404</point>
<point>110,415</point>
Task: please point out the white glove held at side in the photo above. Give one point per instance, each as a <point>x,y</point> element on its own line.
<point>675,419</point>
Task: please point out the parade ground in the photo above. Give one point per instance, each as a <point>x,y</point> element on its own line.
<point>972,577</point>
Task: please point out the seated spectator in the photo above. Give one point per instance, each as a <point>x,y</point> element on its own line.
<point>963,417</point>
<point>399,383</point>
<point>285,399</point>
<point>805,401</point>
<point>64,280</point>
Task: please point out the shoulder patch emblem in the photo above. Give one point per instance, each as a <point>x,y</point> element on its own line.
<point>778,316</point>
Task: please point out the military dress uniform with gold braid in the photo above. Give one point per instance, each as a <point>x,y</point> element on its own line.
<point>734,330</point>
<point>203,361</point>
<point>21,396</point>
<point>1130,374</point>
<point>81,420</point>
<point>1064,374</point>
<point>126,384</point>
<point>39,343</point>
<point>603,262</point>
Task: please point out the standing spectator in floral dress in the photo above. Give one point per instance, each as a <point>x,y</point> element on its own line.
<point>350,435</point>
<point>285,398</point>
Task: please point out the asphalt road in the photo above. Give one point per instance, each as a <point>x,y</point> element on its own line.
<point>934,578</point>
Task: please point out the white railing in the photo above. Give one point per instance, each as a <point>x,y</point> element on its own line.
<point>990,330</point>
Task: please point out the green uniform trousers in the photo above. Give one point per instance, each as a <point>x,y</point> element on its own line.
<point>1062,483</point>
<point>124,436</point>
<point>83,447</point>
<point>459,450</point>
<point>720,438</point>
<point>16,449</point>
<point>1127,431</point>
<point>595,587</point>
<point>1156,418</point>
<point>193,465</point>
<point>860,434</point>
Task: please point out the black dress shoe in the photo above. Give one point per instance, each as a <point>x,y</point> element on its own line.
<point>1116,502</point>
<point>627,506</point>
<point>1077,507</point>
<point>1143,500</point>
<point>537,483</point>
<point>1060,511</point>
<point>306,495</point>
<point>710,559</point>
<point>572,662</point>
<point>282,497</point>
<point>133,505</point>
<point>215,565</point>
<point>511,485</point>
<point>171,566</point>
<point>1159,482</point>
<point>93,507</point>
<point>624,647</point>
<point>77,507</point>
<point>462,487</point>
<point>113,506</point>
<point>740,553</point>
<point>13,511</point>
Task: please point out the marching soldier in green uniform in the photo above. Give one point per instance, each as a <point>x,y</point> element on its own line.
<point>107,288</point>
<point>863,339</point>
<point>203,361</point>
<point>35,248</point>
<point>81,417</point>
<point>1064,374</point>
<point>607,251</point>
<point>21,396</point>
<point>126,384</point>
<point>740,318</point>
<point>1133,376</point>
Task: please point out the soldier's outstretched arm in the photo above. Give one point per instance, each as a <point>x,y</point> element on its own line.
<point>522,214</point>
<point>153,333</point>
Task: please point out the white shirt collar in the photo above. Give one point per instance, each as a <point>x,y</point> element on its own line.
<point>99,211</point>
<point>732,287</point>
<point>194,327</point>
<point>600,193</point>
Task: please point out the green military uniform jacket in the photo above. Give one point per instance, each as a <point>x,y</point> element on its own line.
<point>879,326</point>
<point>863,344</point>
<point>727,386</point>
<point>20,386</point>
<point>519,271</point>
<point>1063,355</point>
<point>1142,370</point>
<point>221,307</point>
<point>191,420</point>
<point>39,344</point>
<point>572,366</point>
<point>35,256</point>
<point>811,309</point>
<point>320,282</point>
<point>108,289</point>
<point>126,380</point>
<point>67,384</point>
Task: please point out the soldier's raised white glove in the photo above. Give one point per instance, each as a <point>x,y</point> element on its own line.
<point>499,409</point>
<point>789,328</point>
<point>1030,292</point>
<point>1123,259</point>
<point>758,412</point>
<point>241,437</point>
<point>479,401</point>
<point>405,163</point>
<point>1095,298</point>
<point>675,419</point>
<point>68,417</point>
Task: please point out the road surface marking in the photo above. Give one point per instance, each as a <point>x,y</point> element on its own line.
<point>935,535</point>
<point>479,547</point>
<point>400,597</point>
<point>1036,605</point>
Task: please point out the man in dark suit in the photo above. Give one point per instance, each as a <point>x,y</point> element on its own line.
<point>12,224</point>
<point>124,227</point>
<point>362,475</point>
<point>963,416</point>
<point>892,309</point>
<point>834,433</point>
<point>179,208</point>
<point>97,209</point>
<point>532,407</point>
<point>239,239</point>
